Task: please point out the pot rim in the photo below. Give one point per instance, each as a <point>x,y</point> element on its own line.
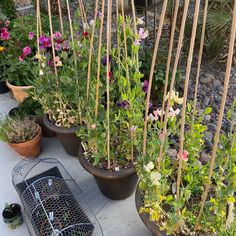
<point>38,136</point>
<point>145,217</point>
<point>17,87</point>
<point>58,129</point>
<point>101,172</point>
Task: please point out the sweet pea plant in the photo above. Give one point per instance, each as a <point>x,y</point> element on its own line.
<point>158,186</point>
<point>127,98</point>
<point>62,94</point>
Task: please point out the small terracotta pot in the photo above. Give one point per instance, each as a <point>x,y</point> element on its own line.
<point>67,137</point>
<point>145,217</point>
<point>19,92</point>
<point>115,185</point>
<point>31,148</point>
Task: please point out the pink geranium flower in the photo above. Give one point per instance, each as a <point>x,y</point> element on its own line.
<point>4,30</point>
<point>27,50</point>
<point>57,35</point>
<point>184,156</point>
<point>5,36</point>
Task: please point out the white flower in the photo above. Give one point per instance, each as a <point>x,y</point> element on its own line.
<point>41,72</point>
<point>142,33</point>
<point>172,113</point>
<point>80,44</point>
<point>86,26</point>
<point>174,97</point>
<point>140,21</point>
<point>150,166</point>
<point>91,22</point>
<point>155,177</point>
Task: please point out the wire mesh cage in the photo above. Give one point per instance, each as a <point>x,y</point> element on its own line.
<point>53,202</point>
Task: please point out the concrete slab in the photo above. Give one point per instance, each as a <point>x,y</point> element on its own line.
<point>117,218</point>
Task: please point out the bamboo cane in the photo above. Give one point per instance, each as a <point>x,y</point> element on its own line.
<point>60,16</point>
<point>117,34</point>
<point>99,59</point>
<point>187,76</point>
<point>52,40</point>
<point>179,47</point>
<point>109,7</point>
<point>172,36</point>
<point>159,33</point>
<point>220,117</point>
<point>200,56</point>
<point>91,49</point>
<point>75,59</point>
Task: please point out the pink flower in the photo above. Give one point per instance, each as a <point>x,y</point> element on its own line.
<point>21,58</point>
<point>133,128</point>
<point>184,156</point>
<point>7,23</point>
<point>58,47</point>
<point>142,33</point>
<point>27,50</point>
<point>162,137</point>
<point>5,36</point>
<point>172,113</point>
<point>4,30</point>
<point>57,35</point>
<point>30,35</point>
<point>137,42</point>
<point>93,126</point>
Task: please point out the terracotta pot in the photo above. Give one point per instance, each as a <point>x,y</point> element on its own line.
<point>3,87</point>
<point>67,137</point>
<point>30,148</point>
<point>114,185</point>
<point>20,92</point>
<point>39,120</point>
<point>145,217</point>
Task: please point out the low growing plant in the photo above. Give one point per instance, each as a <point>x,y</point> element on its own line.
<point>18,130</point>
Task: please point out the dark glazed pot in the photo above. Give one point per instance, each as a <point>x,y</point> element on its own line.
<point>142,3</point>
<point>13,218</point>
<point>145,217</point>
<point>3,87</point>
<point>67,137</point>
<point>114,185</point>
<point>39,120</point>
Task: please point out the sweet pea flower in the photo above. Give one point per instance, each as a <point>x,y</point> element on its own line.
<point>58,47</point>
<point>57,61</point>
<point>99,14</point>
<point>174,97</point>
<point>30,35</point>
<point>27,51</point>
<point>85,34</point>
<point>162,137</point>
<point>93,126</point>
<point>104,60</point>
<point>145,86</point>
<point>91,22</point>
<point>172,113</point>
<point>150,166</point>
<point>4,30</point>
<point>85,26</point>
<point>41,72</point>
<point>133,128</point>
<point>155,177</point>
<point>184,156</point>
<point>66,45</point>
<point>7,23</point>
<point>5,36</point>
<point>125,104</point>
<point>110,74</point>
<point>142,33</point>
<point>57,35</point>
<point>140,21</point>
<point>137,42</point>
<point>21,58</point>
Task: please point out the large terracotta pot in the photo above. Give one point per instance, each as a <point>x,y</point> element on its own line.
<point>145,217</point>
<point>114,185</point>
<point>67,136</point>
<point>39,120</point>
<point>30,148</point>
<point>19,92</point>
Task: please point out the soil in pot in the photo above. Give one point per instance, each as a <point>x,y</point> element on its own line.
<point>39,120</point>
<point>3,87</point>
<point>13,217</point>
<point>31,148</point>
<point>115,185</point>
<point>67,137</point>
<point>145,217</point>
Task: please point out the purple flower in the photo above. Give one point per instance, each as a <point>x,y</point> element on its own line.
<point>145,86</point>
<point>125,104</point>
<point>137,42</point>
<point>104,60</point>
<point>45,41</point>
<point>57,35</point>
<point>58,47</point>
<point>150,104</point>
<point>27,51</point>
<point>66,45</point>
<point>118,104</point>
<point>30,35</point>
<point>133,128</point>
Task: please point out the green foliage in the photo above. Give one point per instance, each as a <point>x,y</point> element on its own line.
<point>18,130</point>
<point>8,8</point>
<point>159,194</point>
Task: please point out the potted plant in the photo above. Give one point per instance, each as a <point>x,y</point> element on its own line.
<point>32,109</point>
<point>112,139</point>
<point>12,215</point>
<point>22,134</point>
<point>60,84</point>
<point>156,199</point>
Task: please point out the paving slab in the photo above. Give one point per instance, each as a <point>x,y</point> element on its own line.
<point>117,218</point>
